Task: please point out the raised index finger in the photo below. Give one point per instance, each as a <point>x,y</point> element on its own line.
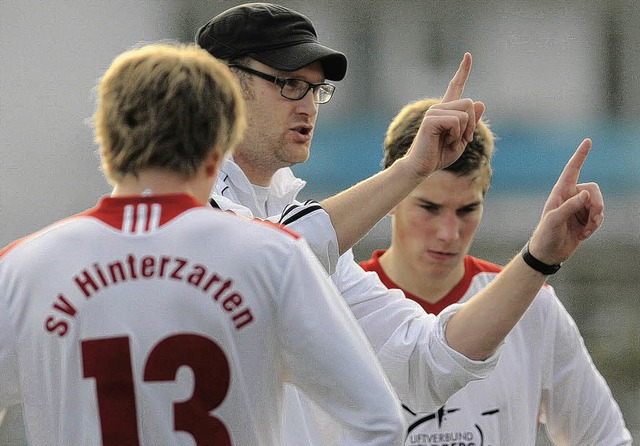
<point>456,85</point>
<point>571,171</point>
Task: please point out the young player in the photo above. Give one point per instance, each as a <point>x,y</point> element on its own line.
<point>545,373</point>
<point>154,319</point>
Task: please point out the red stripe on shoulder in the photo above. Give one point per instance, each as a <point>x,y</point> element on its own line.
<point>26,238</point>
<point>474,265</point>
<point>13,244</point>
<point>284,229</point>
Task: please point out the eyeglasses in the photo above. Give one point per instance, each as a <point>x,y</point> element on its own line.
<point>293,88</point>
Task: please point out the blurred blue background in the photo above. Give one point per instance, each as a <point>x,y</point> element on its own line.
<point>550,73</point>
<point>528,158</point>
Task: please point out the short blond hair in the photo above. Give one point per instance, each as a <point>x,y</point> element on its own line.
<point>166,106</point>
<point>404,127</point>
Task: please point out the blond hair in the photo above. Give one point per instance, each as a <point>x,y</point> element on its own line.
<point>166,106</point>
<point>404,127</point>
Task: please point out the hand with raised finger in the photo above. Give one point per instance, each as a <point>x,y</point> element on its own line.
<point>455,90</point>
<point>572,213</point>
<point>447,127</point>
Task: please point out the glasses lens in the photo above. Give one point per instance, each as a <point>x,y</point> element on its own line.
<point>323,93</point>
<point>295,89</point>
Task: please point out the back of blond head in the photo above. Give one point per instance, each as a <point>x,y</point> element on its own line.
<point>166,106</point>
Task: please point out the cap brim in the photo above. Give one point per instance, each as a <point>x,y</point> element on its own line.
<point>298,56</point>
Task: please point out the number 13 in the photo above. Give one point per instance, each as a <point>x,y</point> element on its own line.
<point>109,362</point>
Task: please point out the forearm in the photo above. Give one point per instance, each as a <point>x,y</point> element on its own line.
<point>482,323</point>
<point>356,210</point>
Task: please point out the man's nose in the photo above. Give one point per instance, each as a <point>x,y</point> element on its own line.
<point>449,227</point>
<point>308,104</point>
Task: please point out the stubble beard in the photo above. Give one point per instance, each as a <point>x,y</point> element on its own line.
<point>287,153</point>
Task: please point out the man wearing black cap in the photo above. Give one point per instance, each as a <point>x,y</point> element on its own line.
<point>275,54</point>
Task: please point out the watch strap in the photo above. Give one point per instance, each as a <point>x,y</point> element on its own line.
<point>536,264</point>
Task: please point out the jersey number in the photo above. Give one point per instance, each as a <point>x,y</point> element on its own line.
<point>109,362</point>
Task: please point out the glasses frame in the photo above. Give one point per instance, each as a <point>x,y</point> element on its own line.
<point>282,82</point>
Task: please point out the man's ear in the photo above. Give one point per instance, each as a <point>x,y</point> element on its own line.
<point>212,162</point>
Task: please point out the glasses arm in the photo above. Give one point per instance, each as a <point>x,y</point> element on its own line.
<point>274,79</point>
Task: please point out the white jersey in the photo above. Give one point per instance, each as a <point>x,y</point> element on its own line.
<point>545,374</point>
<point>409,343</point>
<point>158,321</point>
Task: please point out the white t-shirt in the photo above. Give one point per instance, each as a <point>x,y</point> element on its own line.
<point>155,320</point>
<point>545,374</point>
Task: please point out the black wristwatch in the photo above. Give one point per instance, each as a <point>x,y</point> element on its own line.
<point>536,264</point>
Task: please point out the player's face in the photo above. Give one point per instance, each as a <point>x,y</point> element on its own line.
<point>434,226</point>
<point>279,130</point>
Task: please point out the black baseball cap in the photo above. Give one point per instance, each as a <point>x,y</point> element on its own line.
<point>272,34</point>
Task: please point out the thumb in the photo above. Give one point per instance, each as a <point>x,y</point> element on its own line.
<point>479,109</point>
